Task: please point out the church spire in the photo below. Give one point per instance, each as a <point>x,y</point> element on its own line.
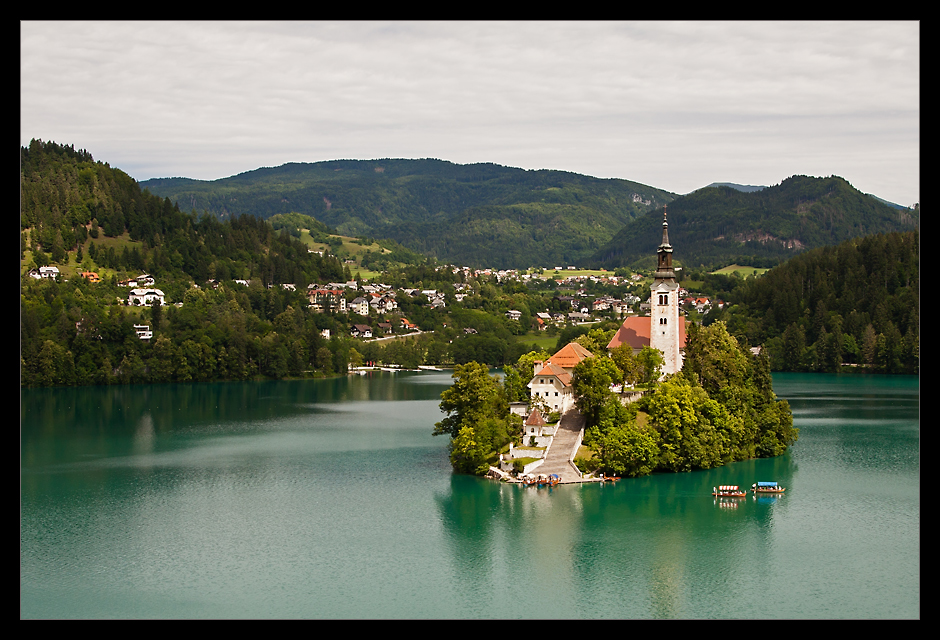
<point>665,231</point>
<point>664,254</point>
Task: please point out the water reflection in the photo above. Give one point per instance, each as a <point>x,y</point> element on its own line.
<point>329,498</point>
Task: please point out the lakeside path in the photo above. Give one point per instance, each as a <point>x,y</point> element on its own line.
<point>566,440</point>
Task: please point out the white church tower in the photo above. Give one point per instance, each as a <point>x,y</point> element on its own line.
<point>664,307</point>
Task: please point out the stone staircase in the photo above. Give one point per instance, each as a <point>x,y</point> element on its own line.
<point>566,439</point>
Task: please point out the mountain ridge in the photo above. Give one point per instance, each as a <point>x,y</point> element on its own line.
<point>761,228</point>
<point>480,214</point>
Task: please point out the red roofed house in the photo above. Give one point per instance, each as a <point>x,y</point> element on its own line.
<point>552,381</point>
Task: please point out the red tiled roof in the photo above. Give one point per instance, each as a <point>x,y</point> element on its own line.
<point>554,370</point>
<point>535,419</point>
<point>635,331</point>
<point>570,355</point>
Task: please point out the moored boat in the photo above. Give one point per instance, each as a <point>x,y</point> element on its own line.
<point>728,491</point>
<point>767,487</point>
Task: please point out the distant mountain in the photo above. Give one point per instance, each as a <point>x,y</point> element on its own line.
<point>476,214</point>
<point>747,188</point>
<point>723,224</point>
<point>890,204</point>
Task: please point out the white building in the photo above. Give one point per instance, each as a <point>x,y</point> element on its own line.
<point>360,306</point>
<point>44,272</point>
<point>143,331</point>
<point>145,297</point>
<point>552,383</point>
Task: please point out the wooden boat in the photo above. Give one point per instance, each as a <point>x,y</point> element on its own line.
<point>766,487</point>
<point>728,491</point>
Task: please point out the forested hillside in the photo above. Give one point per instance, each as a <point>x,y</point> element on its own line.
<point>70,203</point>
<point>855,303</point>
<point>482,215</point>
<point>76,211</point>
<point>716,226</point>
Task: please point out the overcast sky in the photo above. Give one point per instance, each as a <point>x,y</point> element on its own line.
<point>674,105</point>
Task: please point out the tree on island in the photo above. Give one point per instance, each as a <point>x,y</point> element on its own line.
<point>592,380</point>
<point>478,418</point>
<point>719,409</point>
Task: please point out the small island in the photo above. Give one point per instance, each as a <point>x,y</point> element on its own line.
<point>659,397</point>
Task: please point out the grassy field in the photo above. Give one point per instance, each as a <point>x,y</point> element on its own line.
<point>350,249</point>
<point>565,273</point>
<point>541,339</point>
<point>743,271</point>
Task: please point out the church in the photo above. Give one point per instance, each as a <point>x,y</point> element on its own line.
<point>664,328</point>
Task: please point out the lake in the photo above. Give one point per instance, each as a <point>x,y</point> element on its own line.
<point>331,499</point>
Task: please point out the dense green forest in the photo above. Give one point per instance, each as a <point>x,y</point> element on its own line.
<point>482,215</point>
<point>70,203</point>
<point>856,303</point>
<point>717,226</point>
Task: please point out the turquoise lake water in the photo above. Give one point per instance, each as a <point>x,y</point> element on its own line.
<point>330,499</point>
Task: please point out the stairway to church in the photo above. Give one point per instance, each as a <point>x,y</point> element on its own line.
<point>566,439</point>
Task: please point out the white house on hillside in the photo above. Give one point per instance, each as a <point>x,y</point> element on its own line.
<point>145,297</point>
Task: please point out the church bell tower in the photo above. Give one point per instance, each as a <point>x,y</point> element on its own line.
<point>664,306</point>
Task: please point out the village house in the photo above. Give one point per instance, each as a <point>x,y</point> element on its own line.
<point>323,299</point>
<point>361,331</point>
<point>143,281</point>
<point>44,272</point>
<point>91,276</point>
<point>360,306</point>
<point>145,297</point>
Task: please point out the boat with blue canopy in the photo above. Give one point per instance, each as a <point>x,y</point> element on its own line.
<point>766,487</point>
